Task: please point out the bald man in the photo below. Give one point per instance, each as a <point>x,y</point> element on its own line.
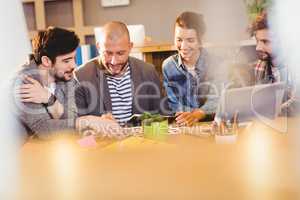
<point>116,83</point>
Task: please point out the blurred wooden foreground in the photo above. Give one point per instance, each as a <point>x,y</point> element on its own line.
<point>263,164</point>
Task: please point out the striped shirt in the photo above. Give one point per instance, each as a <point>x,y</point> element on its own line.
<point>121,96</point>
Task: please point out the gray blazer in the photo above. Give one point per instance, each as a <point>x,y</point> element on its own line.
<point>35,117</point>
<point>92,96</point>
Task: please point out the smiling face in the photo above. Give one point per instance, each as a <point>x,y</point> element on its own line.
<point>62,69</point>
<point>115,54</point>
<point>187,43</point>
<point>263,44</point>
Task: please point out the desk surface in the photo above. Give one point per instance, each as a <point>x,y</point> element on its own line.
<point>261,165</point>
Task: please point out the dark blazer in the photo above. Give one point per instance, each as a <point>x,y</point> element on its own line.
<point>92,96</point>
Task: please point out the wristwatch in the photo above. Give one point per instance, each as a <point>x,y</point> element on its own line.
<point>51,100</point>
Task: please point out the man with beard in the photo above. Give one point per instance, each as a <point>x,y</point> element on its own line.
<point>45,87</point>
<point>268,68</point>
<point>265,69</point>
<point>115,82</point>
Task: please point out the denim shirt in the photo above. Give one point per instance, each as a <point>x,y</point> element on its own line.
<point>187,92</point>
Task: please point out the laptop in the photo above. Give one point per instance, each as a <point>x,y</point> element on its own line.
<point>255,102</point>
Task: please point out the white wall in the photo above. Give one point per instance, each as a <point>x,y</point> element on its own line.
<point>158,16</point>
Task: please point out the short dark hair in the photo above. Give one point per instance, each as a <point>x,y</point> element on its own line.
<point>53,42</point>
<point>192,20</point>
<point>260,23</point>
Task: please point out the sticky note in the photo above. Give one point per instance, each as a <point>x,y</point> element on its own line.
<point>88,141</point>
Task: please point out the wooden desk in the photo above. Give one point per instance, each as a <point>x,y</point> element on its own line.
<point>261,165</point>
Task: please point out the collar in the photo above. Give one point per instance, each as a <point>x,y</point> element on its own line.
<point>200,64</point>
<point>126,69</point>
<point>105,71</point>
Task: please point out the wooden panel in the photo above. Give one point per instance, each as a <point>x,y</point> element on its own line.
<point>78,19</point>
<point>77,7</point>
<point>40,14</point>
<point>59,13</point>
<point>29,13</point>
<point>88,30</point>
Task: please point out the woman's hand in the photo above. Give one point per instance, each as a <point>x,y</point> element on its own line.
<point>189,118</point>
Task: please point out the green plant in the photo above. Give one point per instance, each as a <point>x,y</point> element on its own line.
<point>256,7</point>
<point>155,126</point>
<point>153,117</point>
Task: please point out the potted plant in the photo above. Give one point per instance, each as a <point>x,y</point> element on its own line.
<point>155,126</point>
<point>256,7</point>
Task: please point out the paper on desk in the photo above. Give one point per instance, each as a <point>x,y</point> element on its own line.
<point>137,143</point>
<point>88,141</point>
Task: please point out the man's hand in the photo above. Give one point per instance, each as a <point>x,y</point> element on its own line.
<point>108,116</point>
<point>189,118</point>
<point>33,92</point>
<point>100,125</point>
